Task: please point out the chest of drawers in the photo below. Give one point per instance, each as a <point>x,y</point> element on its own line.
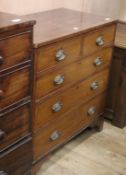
<point>70,83</point>
<point>15,98</point>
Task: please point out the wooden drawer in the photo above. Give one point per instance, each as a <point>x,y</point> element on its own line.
<point>17,161</point>
<point>15,49</point>
<point>58,54</point>
<point>70,74</point>
<point>14,126</point>
<point>98,39</point>
<point>65,127</point>
<point>52,107</point>
<point>14,86</point>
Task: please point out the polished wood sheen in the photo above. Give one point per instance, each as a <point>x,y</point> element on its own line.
<point>72,73</point>
<point>17,161</point>
<point>15,126</point>
<point>46,56</point>
<point>68,98</point>
<point>15,86</point>
<point>67,126</point>
<point>15,49</point>
<point>107,34</point>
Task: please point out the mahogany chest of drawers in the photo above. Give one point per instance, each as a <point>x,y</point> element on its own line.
<point>15,98</point>
<point>70,80</point>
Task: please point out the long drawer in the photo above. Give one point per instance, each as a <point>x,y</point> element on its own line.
<point>14,126</point>
<point>50,81</point>
<point>65,127</point>
<point>96,40</point>
<point>52,107</point>
<point>15,49</point>
<point>58,53</point>
<point>14,86</point>
<point>18,160</point>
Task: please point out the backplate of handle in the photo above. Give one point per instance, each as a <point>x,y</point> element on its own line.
<point>91,111</point>
<point>59,79</point>
<point>98,61</point>
<point>57,107</point>
<point>94,85</point>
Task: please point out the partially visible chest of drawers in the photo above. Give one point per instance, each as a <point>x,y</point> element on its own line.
<point>15,101</point>
<point>70,84</point>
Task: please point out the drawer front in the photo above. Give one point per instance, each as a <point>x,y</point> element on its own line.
<point>14,126</point>
<point>17,161</point>
<point>58,104</point>
<point>63,128</point>
<point>94,41</point>
<point>58,54</point>
<point>15,49</point>
<point>14,87</point>
<point>70,74</point>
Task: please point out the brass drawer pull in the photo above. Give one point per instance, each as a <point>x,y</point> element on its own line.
<point>98,62</point>
<point>55,135</point>
<point>59,79</point>
<point>1,60</point>
<point>100,41</point>
<point>60,55</point>
<point>2,134</point>
<point>91,111</point>
<point>57,107</point>
<point>3,173</point>
<point>1,94</point>
<point>94,85</point>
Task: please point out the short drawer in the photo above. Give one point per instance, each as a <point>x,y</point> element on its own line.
<point>18,160</point>
<point>14,126</point>
<point>14,86</point>
<point>58,53</point>
<point>98,39</point>
<point>65,127</point>
<point>15,49</point>
<point>52,107</point>
<point>59,78</point>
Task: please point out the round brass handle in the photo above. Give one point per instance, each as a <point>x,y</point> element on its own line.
<point>1,94</point>
<point>1,60</point>
<point>57,107</point>
<point>91,111</point>
<point>54,136</point>
<point>98,61</point>
<point>59,79</point>
<point>100,41</point>
<point>94,85</point>
<point>2,134</point>
<point>3,173</point>
<point>60,55</point>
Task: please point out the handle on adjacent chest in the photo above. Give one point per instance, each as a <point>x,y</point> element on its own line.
<point>91,111</point>
<point>100,41</point>
<point>2,134</point>
<point>54,136</point>
<point>1,60</point>
<point>59,79</point>
<point>3,173</point>
<point>1,93</point>
<point>60,55</point>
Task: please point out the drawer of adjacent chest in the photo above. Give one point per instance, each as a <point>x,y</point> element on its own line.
<point>94,41</point>
<point>14,126</point>
<point>63,128</point>
<point>16,161</point>
<point>58,78</point>
<point>15,49</point>
<point>14,86</point>
<point>58,53</point>
<point>63,101</point>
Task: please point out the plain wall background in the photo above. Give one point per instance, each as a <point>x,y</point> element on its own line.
<point>102,7</point>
